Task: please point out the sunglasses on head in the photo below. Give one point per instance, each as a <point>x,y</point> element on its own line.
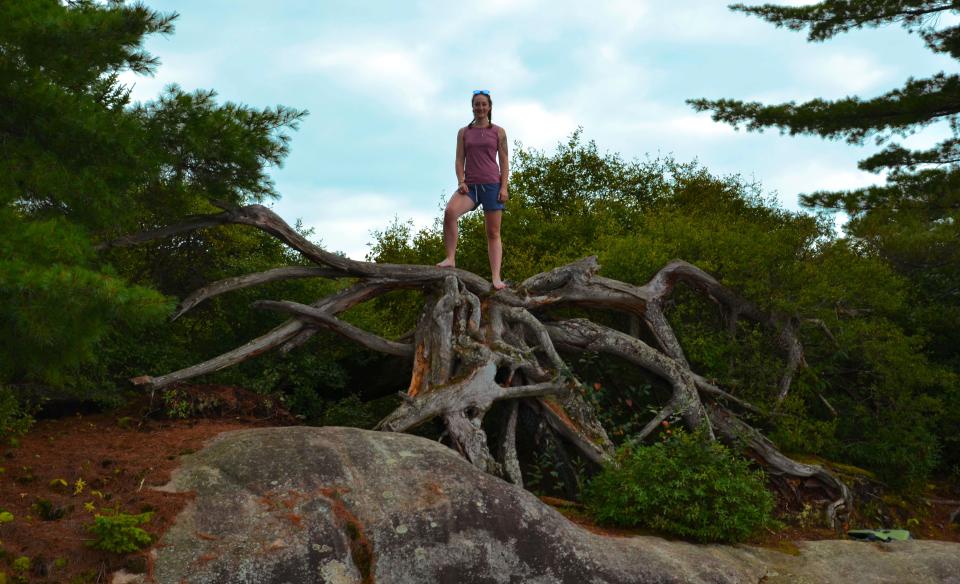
<point>481,92</point>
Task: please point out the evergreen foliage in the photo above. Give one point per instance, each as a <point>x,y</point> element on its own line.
<point>912,220</point>
<point>120,533</point>
<point>80,165</point>
<point>683,485</point>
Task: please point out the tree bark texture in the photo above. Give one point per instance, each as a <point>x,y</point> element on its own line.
<point>474,346</point>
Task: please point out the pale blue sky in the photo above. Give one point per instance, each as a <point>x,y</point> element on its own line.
<point>388,84</point>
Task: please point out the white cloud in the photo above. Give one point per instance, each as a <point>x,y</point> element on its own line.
<point>843,74</point>
<point>383,71</point>
<point>927,137</point>
<point>693,126</point>
<point>344,219</point>
<point>813,174</point>
<point>191,71</point>
<point>500,69</point>
<point>535,125</point>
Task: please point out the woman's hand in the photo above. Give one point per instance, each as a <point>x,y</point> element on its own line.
<point>462,188</point>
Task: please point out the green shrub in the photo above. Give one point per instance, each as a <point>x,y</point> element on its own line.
<point>21,564</point>
<point>120,533</point>
<point>15,418</point>
<point>352,412</point>
<point>901,451</point>
<point>686,486</point>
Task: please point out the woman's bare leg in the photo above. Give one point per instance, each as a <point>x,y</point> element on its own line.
<point>494,246</point>
<point>457,206</point>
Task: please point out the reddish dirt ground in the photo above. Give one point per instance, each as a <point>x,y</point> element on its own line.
<point>119,455</point>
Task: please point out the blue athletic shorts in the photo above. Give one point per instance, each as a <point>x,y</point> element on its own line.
<point>486,195</point>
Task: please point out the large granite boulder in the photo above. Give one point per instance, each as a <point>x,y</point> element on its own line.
<point>292,505</point>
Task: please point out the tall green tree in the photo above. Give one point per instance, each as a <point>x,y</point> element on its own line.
<point>912,221</point>
<point>80,164</point>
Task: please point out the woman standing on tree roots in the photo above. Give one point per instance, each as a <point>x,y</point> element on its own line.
<point>481,182</point>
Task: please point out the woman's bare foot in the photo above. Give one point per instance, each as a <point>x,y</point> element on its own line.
<point>499,284</point>
<point>447,264</point>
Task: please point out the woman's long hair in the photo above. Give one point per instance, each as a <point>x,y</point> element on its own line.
<point>489,101</point>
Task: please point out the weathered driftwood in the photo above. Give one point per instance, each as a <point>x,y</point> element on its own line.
<point>474,346</point>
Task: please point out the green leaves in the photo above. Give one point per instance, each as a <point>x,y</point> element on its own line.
<point>120,533</point>
<point>56,304</point>
<point>684,486</point>
<point>79,165</point>
<point>918,103</point>
<point>911,224</point>
<point>832,17</point>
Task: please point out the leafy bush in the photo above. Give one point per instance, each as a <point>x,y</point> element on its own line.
<point>15,420</point>
<point>120,533</point>
<point>898,448</point>
<point>352,412</point>
<point>684,485</point>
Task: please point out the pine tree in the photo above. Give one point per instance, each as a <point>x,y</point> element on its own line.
<point>912,220</point>
<point>80,164</point>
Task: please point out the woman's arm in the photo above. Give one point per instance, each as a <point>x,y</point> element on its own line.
<point>504,154</point>
<point>460,162</point>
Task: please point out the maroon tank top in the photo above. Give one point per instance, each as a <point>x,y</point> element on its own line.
<point>480,146</point>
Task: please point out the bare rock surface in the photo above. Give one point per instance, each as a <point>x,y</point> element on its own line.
<point>297,504</point>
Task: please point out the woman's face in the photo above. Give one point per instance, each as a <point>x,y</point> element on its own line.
<point>481,106</point>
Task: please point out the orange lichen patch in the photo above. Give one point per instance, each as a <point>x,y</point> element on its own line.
<point>361,549</point>
<point>292,498</point>
<point>558,502</point>
<point>206,558</point>
<point>561,413</point>
<point>295,519</point>
<point>206,536</point>
<point>433,494</point>
<point>267,502</point>
<point>419,370</point>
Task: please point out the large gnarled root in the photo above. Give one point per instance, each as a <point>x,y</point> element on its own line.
<point>473,348</point>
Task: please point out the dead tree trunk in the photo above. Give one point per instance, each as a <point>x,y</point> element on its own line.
<point>474,346</point>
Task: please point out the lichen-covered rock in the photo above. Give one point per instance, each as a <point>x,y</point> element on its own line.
<point>339,505</point>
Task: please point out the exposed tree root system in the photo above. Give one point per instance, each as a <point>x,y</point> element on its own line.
<point>475,346</point>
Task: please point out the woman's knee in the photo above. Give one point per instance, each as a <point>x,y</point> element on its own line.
<point>451,213</point>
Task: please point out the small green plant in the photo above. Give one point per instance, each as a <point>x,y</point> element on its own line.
<point>21,564</point>
<point>26,475</point>
<point>544,473</point>
<point>120,533</point>
<point>808,517</point>
<point>352,412</point>
<point>47,511</point>
<point>15,417</point>
<point>684,485</point>
<point>5,516</point>
<point>176,404</point>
